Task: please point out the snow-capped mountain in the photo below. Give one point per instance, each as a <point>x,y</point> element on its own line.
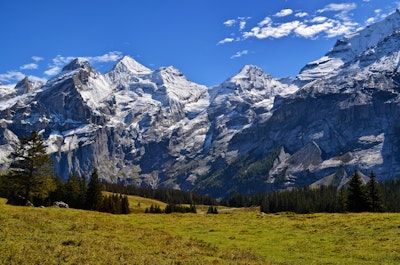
<point>351,48</point>
<point>157,128</point>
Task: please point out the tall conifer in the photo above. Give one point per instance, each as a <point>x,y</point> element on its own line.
<point>93,193</point>
<point>375,198</point>
<point>356,195</point>
<point>31,170</point>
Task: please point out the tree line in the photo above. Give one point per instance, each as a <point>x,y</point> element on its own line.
<point>30,180</point>
<point>169,196</point>
<point>353,197</point>
<point>171,208</point>
<point>80,194</point>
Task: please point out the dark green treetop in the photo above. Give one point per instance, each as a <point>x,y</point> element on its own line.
<point>31,172</point>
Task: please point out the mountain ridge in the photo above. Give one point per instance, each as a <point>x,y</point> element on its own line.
<point>157,128</point>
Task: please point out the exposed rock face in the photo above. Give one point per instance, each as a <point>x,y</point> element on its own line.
<point>158,128</point>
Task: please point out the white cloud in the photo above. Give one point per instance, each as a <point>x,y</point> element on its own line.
<point>242,25</point>
<point>29,66</point>
<point>284,12</point>
<point>16,76</point>
<point>53,70</point>
<point>370,20</point>
<point>265,21</point>
<point>226,40</point>
<point>59,61</point>
<point>318,19</point>
<point>343,10</point>
<point>303,25</point>
<point>242,21</point>
<point>11,76</point>
<point>338,7</point>
<point>37,58</point>
<point>341,29</point>
<point>105,58</point>
<point>312,28</point>
<point>230,22</point>
<point>311,31</point>
<point>271,31</point>
<point>239,54</point>
<point>301,14</point>
<point>37,79</point>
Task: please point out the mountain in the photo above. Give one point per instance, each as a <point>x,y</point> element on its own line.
<point>350,48</point>
<point>251,133</point>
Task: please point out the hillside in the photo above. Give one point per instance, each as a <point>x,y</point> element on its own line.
<point>68,236</point>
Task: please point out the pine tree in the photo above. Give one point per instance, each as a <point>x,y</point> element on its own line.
<point>74,191</point>
<point>356,195</point>
<point>31,172</point>
<point>125,205</point>
<point>341,201</point>
<point>374,194</point>
<point>93,193</point>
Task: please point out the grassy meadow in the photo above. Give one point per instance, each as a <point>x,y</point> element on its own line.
<point>234,236</point>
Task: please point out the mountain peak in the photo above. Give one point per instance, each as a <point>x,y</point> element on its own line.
<point>26,85</point>
<point>250,71</point>
<point>249,74</point>
<point>349,47</point>
<point>77,63</point>
<point>129,64</point>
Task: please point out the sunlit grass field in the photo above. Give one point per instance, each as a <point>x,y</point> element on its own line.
<point>234,236</point>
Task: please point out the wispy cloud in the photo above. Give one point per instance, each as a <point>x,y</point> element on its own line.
<point>301,14</point>
<point>284,13</point>
<point>341,28</point>
<point>105,58</point>
<point>240,54</point>
<point>338,7</point>
<point>370,20</point>
<point>311,31</point>
<point>37,58</point>
<point>378,15</point>
<point>11,76</point>
<point>318,19</point>
<point>241,21</point>
<point>37,79</point>
<point>55,66</point>
<point>59,61</point>
<point>242,25</point>
<point>230,22</point>
<point>29,66</point>
<point>267,29</point>
<point>343,10</point>
<point>53,70</point>
<point>336,22</point>
<point>226,40</point>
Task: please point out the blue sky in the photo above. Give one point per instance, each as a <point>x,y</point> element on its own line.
<point>208,40</point>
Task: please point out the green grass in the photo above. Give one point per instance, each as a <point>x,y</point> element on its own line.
<point>235,236</point>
